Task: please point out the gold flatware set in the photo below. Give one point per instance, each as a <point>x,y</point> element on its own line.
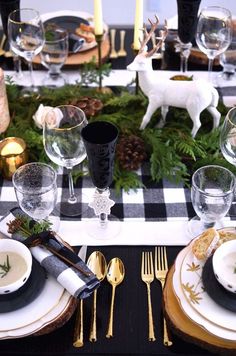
<point>160,270</point>
<point>114,272</point>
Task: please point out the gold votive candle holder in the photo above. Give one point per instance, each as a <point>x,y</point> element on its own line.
<point>13,154</point>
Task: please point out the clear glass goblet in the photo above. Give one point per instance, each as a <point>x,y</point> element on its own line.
<point>35,187</point>
<point>54,55</point>
<point>228,62</point>
<point>212,193</point>
<point>64,146</point>
<point>228,137</point>
<point>100,141</point>
<point>26,37</point>
<point>214,33</point>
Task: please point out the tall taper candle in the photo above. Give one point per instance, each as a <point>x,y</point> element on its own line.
<point>138,24</point>
<point>98,21</point>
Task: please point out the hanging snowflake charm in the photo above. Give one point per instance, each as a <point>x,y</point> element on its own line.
<point>101,203</point>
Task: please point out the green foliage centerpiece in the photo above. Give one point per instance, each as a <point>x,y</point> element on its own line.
<point>172,152</point>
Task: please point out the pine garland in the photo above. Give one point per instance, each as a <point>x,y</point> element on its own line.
<point>172,152</point>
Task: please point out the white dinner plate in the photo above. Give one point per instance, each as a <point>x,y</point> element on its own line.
<point>191,282</point>
<point>191,312</point>
<point>47,319</point>
<point>49,304</point>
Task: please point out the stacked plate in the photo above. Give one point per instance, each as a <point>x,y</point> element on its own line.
<point>39,303</point>
<point>195,296</point>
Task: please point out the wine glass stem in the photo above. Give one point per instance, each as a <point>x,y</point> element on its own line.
<point>103,219</point>
<point>72,199</point>
<point>210,66</point>
<point>30,65</point>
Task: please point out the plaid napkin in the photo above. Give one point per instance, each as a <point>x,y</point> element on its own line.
<point>75,282</point>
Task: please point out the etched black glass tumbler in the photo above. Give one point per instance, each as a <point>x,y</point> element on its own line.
<point>100,141</point>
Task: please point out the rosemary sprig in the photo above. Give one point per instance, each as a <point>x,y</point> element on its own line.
<point>24,225</point>
<point>5,268</point>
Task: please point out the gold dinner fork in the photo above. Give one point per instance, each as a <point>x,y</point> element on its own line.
<point>161,269</point>
<point>147,276</point>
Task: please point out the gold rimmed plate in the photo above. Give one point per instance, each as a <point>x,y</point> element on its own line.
<point>187,308</point>
<point>190,274</point>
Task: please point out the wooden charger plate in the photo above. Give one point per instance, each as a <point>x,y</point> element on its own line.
<point>186,328</point>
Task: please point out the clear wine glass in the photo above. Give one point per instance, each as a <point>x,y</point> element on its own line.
<point>212,193</point>
<point>214,33</point>
<point>64,146</point>
<point>228,137</point>
<point>228,62</point>
<point>26,37</point>
<point>54,55</point>
<point>100,141</point>
<point>35,187</point>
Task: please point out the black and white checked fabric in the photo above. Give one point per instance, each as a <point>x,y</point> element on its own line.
<point>162,201</point>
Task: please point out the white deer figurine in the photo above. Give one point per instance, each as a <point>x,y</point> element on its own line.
<point>194,96</point>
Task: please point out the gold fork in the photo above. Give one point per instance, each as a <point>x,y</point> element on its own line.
<point>147,276</point>
<point>161,269</point>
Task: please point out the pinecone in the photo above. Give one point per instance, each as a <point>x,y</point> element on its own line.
<point>130,152</point>
<point>90,106</point>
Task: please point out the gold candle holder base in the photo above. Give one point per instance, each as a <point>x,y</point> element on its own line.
<point>13,154</point>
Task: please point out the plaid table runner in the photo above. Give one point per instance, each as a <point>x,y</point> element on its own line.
<point>162,201</point>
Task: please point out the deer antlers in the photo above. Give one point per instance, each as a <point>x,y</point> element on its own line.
<point>148,35</point>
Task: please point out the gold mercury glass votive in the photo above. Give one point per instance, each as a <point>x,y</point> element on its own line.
<point>13,154</point>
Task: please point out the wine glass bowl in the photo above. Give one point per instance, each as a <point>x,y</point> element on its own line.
<point>64,146</point>
<point>54,55</point>
<point>36,189</point>
<point>228,137</point>
<point>26,36</point>
<point>212,193</point>
<point>214,32</point>
<point>100,141</point>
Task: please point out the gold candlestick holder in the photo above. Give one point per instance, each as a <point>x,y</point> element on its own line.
<point>135,51</point>
<point>99,39</point>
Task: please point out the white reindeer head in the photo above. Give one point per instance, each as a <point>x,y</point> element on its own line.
<point>143,61</point>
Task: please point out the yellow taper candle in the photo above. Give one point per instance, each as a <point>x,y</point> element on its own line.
<point>98,21</point>
<point>138,24</point>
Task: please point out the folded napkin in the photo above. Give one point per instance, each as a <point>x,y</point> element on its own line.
<point>75,282</point>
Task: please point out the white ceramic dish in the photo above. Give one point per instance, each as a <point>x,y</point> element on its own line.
<point>9,250</point>
<point>224,265</point>
<point>191,283</point>
<point>49,297</point>
<point>189,310</point>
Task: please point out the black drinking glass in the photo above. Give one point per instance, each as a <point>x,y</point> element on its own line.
<point>187,24</point>
<point>100,142</point>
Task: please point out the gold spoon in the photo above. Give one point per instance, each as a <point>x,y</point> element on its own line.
<point>115,275</point>
<point>97,264</point>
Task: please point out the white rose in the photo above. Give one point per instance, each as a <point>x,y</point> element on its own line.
<point>53,118</point>
<point>39,116</point>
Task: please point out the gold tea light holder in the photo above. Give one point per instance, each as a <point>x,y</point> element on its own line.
<point>13,154</point>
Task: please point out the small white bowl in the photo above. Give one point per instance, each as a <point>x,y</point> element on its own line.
<point>20,260</point>
<point>224,265</point>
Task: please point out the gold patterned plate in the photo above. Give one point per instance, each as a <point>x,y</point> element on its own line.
<point>195,294</point>
<point>187,307</point>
